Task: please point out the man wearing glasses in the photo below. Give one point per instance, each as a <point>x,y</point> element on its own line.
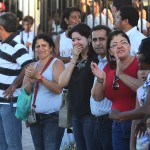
<point>100,110</point>
<point>127,20</point>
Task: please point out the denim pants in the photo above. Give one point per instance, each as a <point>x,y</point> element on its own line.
<point>10,129</point>
<point>103,134</point>
<point>83,132</point>
<point>46,134</point>
<point>121,135</point>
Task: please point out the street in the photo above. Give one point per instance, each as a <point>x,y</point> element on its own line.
<point>26,138</point>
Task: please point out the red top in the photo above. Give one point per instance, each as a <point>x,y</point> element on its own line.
<point>123,98</point>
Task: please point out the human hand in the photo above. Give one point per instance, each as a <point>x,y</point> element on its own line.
<point>31,72</point>
<point>119,68</point>
<point>96,71</point>
<point>28,44</point>
<point>140,128</point>
<point>8,93</point>
<point>76,51</point>
<point>114,114</point>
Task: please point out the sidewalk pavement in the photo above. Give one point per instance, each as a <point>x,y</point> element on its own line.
<point>26,138</point>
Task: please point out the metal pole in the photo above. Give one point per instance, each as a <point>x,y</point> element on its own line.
<point>42,16</point>
<point>35,7</point>
<point>45,16</point>
<point>10,2</point>
<point>100,8</point>
<point>141,16</point>
<point>93,12</point>
<point>86,11</point>
<point>107,12</point>
<point>148,16</point>
<point>28,8</point>
<point>61,7</point>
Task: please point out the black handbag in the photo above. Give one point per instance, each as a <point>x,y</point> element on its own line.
<point>64,112</point>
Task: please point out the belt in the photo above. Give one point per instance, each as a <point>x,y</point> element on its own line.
<point>102,118</point>
<point>40,116</point>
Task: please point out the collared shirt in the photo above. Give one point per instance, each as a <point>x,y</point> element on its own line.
<point>103,107</point>
<point>14,57</point>
<point>135,39</point>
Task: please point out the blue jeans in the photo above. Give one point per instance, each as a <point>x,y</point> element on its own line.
<point>83,132</point>
<point>121,135</point>
<point>46,134</point>
<point>103,134</point>
<point>10,129</point>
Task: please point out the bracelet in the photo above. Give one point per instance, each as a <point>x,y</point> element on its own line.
<point>73,62</point>
<point>100,81</point>
<point>40,78</point>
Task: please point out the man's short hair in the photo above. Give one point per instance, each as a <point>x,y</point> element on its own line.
<point>130,13</point>
<point>119,3</point>
<point>8,21</point>
<point>102,27</point>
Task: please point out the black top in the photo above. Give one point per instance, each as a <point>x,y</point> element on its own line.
<point>80,86</point>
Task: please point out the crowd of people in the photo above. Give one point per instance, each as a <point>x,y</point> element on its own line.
<point>105,66</point>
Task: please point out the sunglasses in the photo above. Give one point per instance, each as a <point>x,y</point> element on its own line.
<point>115,84</point>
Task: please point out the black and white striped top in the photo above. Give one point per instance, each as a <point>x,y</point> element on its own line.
<point>13,57</point>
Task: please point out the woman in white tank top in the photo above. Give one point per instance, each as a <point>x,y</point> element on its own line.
<point>45,132</point>
<point>63,44</point>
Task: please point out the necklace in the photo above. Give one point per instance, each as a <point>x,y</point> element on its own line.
<point>81,64</point>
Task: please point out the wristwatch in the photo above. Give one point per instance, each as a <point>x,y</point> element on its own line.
<point>40,78</point>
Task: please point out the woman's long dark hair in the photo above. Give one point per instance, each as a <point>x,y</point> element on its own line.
<point>84,30</point>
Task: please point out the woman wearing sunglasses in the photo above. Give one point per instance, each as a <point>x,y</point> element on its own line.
<point>118,82</point>
<point>143,98</point>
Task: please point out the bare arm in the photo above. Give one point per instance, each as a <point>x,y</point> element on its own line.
<point>131,82</point>
<point>53,85</point>
<point>137,113</point>
<point>66,74</point>
<point>64,59</point>
<point>98,88</point>
<point>58,67</point>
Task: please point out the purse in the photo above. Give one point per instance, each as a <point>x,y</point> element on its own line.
<point>23,105</point>
<point>64,111</point>
<point>31,119</point>
<point>31,116</point>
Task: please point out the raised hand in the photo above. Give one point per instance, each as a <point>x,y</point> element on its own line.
<point>31,72</point>
<point>76,51</point>
<point>96,71</point>
<point>119,68</point>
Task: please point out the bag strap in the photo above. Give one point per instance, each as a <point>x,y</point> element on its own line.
<point>37,83</point>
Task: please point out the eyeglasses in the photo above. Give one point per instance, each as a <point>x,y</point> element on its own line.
<point>115,45</point>
<point>115,84</point>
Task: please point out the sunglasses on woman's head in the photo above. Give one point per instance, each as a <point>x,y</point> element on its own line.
<point>115,84</point>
